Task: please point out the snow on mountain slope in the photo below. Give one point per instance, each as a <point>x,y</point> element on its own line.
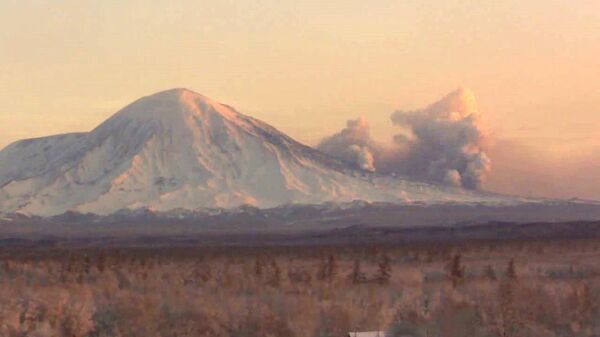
<point>179,149</point>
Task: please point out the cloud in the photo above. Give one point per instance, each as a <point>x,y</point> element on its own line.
<point>443,143</point>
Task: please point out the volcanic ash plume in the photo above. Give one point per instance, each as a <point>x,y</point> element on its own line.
<point>442,143</point>
<point>352,145</point>
<point>446,141</point>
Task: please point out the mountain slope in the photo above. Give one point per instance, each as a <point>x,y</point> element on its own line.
<point>179,149</point>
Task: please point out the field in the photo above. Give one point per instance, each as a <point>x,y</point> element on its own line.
<point>455,289</point>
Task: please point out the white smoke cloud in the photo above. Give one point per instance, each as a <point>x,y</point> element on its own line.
<point>443,143</point>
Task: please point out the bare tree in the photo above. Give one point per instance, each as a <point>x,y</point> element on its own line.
<point>490,273</point>
<point>101,262</point>
<point>456,271</point>
<point>275,279</point>
<point>327,269</point>
<point>357,276</point>
<point>331,268</point>
<point>511,270</point>
<point>384,270</point>
<point>258,267</point>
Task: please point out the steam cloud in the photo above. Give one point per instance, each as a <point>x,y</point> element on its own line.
<point>443,143</point>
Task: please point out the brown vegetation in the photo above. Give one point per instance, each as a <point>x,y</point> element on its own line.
<point>477,289</point>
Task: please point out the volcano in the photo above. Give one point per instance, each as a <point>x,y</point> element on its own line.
<point>178,149</point>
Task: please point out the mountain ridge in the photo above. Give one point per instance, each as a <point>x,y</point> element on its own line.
<point>180,149</point>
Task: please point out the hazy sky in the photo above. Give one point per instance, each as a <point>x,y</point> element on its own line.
<point>308,66</point>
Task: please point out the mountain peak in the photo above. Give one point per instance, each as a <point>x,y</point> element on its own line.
<point>172,106</point>
<point>177,93</point>
<point>179,96</point>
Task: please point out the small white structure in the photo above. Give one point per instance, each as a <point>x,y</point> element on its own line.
<point>366,334</point>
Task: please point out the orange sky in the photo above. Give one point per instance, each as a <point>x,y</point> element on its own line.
<point>306,67</point>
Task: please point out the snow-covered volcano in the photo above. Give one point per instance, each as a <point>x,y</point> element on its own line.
<point>179,149</point>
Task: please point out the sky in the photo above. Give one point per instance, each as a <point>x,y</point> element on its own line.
<point>307,67</point>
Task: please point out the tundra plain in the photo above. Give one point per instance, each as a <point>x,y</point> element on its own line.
<point>462,287</point>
